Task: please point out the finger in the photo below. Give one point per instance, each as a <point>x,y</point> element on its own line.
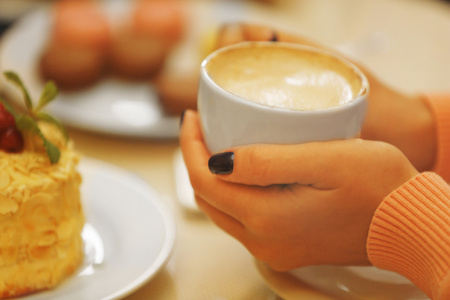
<point>191,141</point>
<point>233,33</point>
<point>316,164</point>
<point>254,32</point>
<point>232,199</point>
<point>229,34</point>
<point>224,221</point>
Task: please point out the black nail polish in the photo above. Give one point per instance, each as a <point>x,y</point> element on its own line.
<point>274,37</point>
<point>221,163</point>
<point>181,118</point>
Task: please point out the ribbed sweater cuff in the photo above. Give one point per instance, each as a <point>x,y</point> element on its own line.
<point>440,107</point>
<point>410,232</point>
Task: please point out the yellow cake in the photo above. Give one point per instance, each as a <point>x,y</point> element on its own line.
<point>41,217</point>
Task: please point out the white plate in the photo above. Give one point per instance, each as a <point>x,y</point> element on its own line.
<point>352,283</point>
<point>185,192</point>
<point>112,106</point>
<point>129,235</point>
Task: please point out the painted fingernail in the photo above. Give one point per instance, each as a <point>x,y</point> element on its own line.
<point>181,118</point>
<point>221,163</point>
<point>274,37</point>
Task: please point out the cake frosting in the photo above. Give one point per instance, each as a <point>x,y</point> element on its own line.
<point>41,217</point>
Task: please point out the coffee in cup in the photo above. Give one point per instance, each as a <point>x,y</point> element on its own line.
<point>285,77</point>
<point>273,92</point>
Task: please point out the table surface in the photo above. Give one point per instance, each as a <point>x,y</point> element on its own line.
<point>206,263</point>
<point>405,42</point>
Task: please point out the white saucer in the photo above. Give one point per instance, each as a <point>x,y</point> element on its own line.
<point>129,235</point>
<point>331,282</point>
<point>185,192</point>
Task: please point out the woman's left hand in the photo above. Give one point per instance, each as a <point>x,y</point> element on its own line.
<point>411,115</point>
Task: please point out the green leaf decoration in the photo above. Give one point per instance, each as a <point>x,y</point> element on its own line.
<point>9,108</point>
<point>14,78</point>
<point>29,124</point>
<point>53,152</point>
<point>48,118</point>
<point>48,94</point>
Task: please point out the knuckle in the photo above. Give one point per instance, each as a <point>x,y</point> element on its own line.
<point>258,164</point>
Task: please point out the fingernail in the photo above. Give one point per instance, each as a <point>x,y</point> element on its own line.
<point>221,163</point>
<point>274,37</point>
<point>181,118</point>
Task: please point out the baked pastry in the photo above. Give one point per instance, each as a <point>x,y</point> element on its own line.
<point>83,47</point>
<point>40,221</point>
<point>177,92</point>
<point>72,67</point>
<point>76,53</point>
<point>41,216</point>
<point>135,56</point>
<point>141,46</point>
<point>164,19</point>
<point>81,23</point>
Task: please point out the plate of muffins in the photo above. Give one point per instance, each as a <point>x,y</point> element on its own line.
<point>112,61</point>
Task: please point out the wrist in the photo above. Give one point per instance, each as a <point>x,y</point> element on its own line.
<point>439,105</point>
<point>405,121</point>
<point>423,134</point>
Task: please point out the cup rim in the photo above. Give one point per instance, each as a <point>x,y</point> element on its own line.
<point>360,97</point>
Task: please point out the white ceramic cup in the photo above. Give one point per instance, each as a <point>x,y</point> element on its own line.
<point>228,120</point>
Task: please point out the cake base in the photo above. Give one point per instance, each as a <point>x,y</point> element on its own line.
<point>41,220</point>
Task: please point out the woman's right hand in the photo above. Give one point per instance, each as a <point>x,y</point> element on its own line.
<point>402,120</point>
<point>295,205</point>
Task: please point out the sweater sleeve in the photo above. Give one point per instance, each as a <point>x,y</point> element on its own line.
<point>410,234</point>
<point>440,107</point>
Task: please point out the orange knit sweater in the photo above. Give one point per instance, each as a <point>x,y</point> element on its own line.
<point>410,232</point>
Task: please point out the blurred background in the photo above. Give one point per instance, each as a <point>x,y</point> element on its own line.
<point>156,47</point>
<point>362,28</point>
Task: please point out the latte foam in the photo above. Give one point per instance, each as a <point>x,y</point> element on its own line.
<point>285,77</point>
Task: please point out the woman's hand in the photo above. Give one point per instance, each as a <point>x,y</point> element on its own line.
<point>295,205</point>
<point>402,120</point>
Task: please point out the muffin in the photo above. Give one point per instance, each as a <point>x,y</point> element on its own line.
<point>76,53</point>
